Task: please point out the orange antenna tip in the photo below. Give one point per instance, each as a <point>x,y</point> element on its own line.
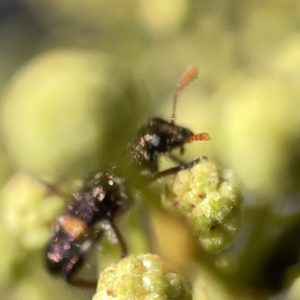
<point>204,136</point>
<point>190,75</point>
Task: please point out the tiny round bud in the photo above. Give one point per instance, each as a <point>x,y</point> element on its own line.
<point>210,199</point>
<point>141,277</point>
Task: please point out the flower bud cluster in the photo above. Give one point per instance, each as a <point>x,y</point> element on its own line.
<point>210,200</point>
<point>141,277</point>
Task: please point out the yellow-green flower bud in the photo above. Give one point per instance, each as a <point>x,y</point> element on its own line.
<point>210,199</point>
<point>141,277</point>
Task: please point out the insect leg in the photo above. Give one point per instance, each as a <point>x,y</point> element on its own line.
<point>76,262</point>
<point>71,269</point>
<point>83,284</point>
<point>175,170</point>
<point>120,238</point>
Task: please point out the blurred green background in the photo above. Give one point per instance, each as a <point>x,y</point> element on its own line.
<point>78,77</point>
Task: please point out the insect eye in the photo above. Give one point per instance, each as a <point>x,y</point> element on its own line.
<point>155,141</point>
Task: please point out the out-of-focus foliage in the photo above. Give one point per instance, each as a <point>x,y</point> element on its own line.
<point>262,123</point>
<point>69,118</point>
<point>58,58</point>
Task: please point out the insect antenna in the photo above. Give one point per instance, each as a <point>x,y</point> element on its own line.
<point>204,136</point>
<point>190,75</point>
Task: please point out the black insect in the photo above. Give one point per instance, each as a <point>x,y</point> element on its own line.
<point>75,232</point>
<point>160,137</point>
<point>106,195</point>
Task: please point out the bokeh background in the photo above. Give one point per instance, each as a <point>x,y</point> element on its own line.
<point>78,77</point>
